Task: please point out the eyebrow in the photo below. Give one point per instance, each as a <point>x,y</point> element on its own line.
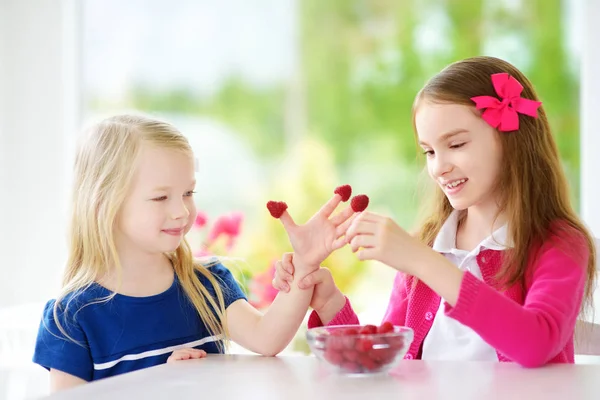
<point>166,188</point>
<point>446,136</point>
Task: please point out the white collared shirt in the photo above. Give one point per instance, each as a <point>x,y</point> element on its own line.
<point>448,339</point>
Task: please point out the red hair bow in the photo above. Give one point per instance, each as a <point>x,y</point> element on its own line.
<point>502,114</point>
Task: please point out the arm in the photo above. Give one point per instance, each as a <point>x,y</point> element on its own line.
<point>69,363</point>
<point>269,333</point>
<point>530,334</point>
<point>61,380</point>
<point>397,306</point>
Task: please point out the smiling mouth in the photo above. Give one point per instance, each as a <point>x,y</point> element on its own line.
<point>174,232</point>
<point>456,183</point>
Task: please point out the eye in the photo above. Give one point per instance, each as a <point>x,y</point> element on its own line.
<point>161,198</point>
<point>189,194</point>
<point>458,146</point>
<point>428,153</point>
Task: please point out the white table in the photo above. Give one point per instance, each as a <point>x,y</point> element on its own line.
<point>303,377</point>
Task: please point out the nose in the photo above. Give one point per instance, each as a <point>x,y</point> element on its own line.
<point>439,165</point>
<point>179,210</point>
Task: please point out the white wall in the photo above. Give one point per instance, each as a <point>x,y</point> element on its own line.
<point>37,116</point>
<point>590,126</point>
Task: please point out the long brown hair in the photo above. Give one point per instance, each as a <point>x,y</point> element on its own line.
<point>533,189</point>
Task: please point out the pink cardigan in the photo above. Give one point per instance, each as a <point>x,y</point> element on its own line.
<point>532,327</point>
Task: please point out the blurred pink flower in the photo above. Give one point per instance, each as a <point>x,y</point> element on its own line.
<point>201,220</point>
<point>202,253</point>
<point>262,293</point>
<point>228,225</point>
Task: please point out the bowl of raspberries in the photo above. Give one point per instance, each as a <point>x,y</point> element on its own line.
<point>360,349</point>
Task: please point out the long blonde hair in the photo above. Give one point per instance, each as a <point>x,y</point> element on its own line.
<point>535,195</point>
<point>104,169</point>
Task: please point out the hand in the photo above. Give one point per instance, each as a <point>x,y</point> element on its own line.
<point>375,237</point>
<point>326,293</point>
<point>314,241</point>
<point>186,354</point>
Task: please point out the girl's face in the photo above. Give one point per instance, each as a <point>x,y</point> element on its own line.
<point>464,153</point>
<point>159,209</point>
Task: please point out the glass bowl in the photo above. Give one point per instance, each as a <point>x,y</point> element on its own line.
<point>360,349</point>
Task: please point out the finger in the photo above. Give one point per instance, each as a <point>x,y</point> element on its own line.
<point>367,254</point>
<point>360,227</point>
<point>197,353</point>
<point>364,241</point>
<point>279,285</point>
<point>185,353</point>
<point>338,243</point>
<point>342,216</point>
<point>369,216</point>
<point>281,274</point>
<point>341,229</point>
<point>287,221</point>
<point>330,206</point>
<point>314,278</point>
<point>288,263</point>
<point>188,351</point>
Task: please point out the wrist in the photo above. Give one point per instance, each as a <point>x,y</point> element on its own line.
<point>443,277</point>
<point>303,268</point>
<point>422,263</point>
<point>331,307</point>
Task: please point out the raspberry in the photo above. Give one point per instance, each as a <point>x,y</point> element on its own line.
<point>350,331</point>
<point>360,202</point>
<point>386,327</point>
<point>277,208</point>
<point>367,362</point>
<point>348,342</point>
<point>351,355</point>
<point>368,330</point>
<point>335,343</point>
<point>334,357</point>
<point>362,349</point>
<point>363,345</point>
<point>345,191</point>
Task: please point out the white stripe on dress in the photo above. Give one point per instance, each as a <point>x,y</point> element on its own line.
<point>157,352</point>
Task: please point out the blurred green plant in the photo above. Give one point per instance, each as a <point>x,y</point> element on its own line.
<point>346,117</point>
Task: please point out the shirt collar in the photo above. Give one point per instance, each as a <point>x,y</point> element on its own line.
<point>445,241</point>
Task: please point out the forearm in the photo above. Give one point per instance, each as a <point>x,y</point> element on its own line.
<point>439,274</point>
<point>276,328</point>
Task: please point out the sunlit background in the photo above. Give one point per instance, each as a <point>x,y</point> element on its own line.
<point>287,99</point>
